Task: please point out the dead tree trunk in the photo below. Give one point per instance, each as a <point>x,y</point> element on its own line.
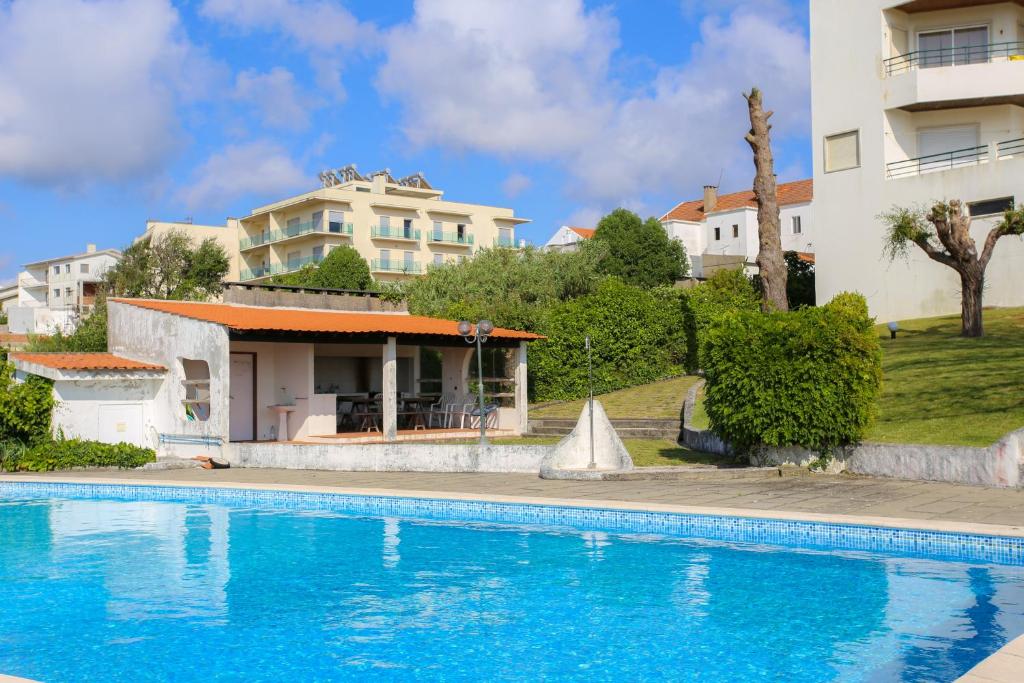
<point>770,263</point>
<point>971,288</point>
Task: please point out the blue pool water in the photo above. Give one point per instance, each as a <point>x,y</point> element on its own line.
<point>155,590</point>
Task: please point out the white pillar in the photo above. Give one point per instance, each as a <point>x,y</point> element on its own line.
<point>521,395</point>
<point>389,388</point>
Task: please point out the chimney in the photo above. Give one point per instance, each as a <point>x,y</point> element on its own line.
<point>710,198</point>
<point>378,183</point>
<point>90,249</point>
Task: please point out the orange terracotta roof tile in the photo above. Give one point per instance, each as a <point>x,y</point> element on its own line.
<point>12,338</point>
<point>796,192</point>
<point>84,361</point>
<point>585,233</point>
<point>255,318</point>
<point>805,256</point>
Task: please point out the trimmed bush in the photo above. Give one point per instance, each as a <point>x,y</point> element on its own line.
<point>807,378</point>
<point>636,336</point>
<point>725,291</point>
<point>65,454</point>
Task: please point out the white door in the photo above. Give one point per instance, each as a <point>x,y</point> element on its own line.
<point>241,398</point>
<point>120,422</point>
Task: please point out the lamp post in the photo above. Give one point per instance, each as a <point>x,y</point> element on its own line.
<point>893,328</point>
<point>590,381</point>
<point>478,335</point>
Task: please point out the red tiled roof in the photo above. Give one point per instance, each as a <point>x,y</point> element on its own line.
<point>253,318</point>
<point>805,256</point>
<point>796,192</point>
<point>585,233</point>
<point>12,338</point>
<point>84,361</point>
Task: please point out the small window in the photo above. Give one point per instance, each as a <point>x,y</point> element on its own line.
<point>318,221</point>
<point>718,234</point>
<point>67,267</point>
<point>56,270</point>
<point>56,293</point>
<point>438,260</point>
<point>990,207</point>
<point>67,292</point>
<point>83,268</point>
<point>438,230</point>
<point>461,259</point>
<point>385,222</point>
<point>196,400</point>
<point>797,227</point>
<point>336,221</point>
<point>318,254</point>
<point>735,230</point>
<point>293,222</point>
<point>842,151</point>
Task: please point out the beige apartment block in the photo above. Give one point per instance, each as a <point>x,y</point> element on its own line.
<point>401,227</point>
<point>225,235</point>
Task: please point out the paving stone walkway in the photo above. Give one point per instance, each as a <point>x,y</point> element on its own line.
<point>824,494</point>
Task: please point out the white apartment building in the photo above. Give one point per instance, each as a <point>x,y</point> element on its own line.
<point>402,227</point>
<point>721,231</point>
<point>914,101</point>
<point>53,294</point>
<point>568,238</point>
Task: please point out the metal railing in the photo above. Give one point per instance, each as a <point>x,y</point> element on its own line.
<point>1009,148</point>
<point>394,232</point>
<point>449,238</point>
<point>254,273</point>
<point>389,266</point>
<point>289,266</point>
<point>295,230</point>
<point>955,56</point>
<point>508,242</point>
<point>937,162</point>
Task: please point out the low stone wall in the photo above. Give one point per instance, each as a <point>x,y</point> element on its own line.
<point>999,465</point>
<point>393,457</point>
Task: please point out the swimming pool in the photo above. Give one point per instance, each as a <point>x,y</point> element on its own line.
<point>136,583</point>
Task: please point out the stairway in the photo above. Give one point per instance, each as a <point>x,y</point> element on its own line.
<point>626,429</point>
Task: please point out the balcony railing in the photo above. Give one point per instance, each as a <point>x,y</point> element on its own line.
<point>253,273</point>
<point>1010,148</point>
<point>388,266</point>
<point>507,242</point>
<point>289,266</point>
<point>955,56</point>
<point>394,233</point>
<point>295,230</point>
<point>449,238</point>
<point>937,162</point>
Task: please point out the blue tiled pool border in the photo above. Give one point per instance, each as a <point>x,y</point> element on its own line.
<point>945,545</point>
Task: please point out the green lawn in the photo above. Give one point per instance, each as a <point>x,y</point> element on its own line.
<point>940,388</point>
<point>660,400</point>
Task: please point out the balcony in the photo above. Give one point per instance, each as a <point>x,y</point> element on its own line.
<point>254,273</point>
<point>955,56</point>
<point>293,231</point>
<point>505,242</point>
<point>968,156</point>
<point>397,234</point>
<point>452,238</point>
<point>289,266</point>
<point>388,266</point>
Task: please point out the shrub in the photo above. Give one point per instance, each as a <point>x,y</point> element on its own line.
<point>25,407</point>
<point>723,292</point>
<point>640,251</point>
<point>636,338</point>
<point>806,378</point>
<point>65,454</point>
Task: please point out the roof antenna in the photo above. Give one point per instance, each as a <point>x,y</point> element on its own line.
<point>721,171</point>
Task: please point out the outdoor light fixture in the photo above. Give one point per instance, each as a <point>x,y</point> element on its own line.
<point>892,329</point>
<point>483,331</point>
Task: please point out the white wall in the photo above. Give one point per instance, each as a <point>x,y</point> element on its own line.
<point>80,403</point>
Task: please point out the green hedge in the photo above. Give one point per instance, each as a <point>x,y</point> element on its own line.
<point>724,292</point>
<point>637,337</point>
<point>806,378</point>
<point>65,454</point>
<point>25,407</point>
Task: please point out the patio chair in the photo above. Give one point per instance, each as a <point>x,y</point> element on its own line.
<point>490,416</point>
<point>344,415</point>
<point>439,410</point>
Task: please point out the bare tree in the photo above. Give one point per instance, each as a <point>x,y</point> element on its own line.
<point>944,234</point>
<point>770,262</point>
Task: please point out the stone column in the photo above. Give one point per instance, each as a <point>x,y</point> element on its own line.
<point>521,395</point>
<point>389,388</point>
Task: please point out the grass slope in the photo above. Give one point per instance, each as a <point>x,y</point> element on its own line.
<point>660,400</point>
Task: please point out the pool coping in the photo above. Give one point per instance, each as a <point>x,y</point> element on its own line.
<point>1003,666</point>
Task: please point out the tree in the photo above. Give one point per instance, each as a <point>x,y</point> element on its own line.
<point>169,267</point>
<point>342,268</point>
<point>770,264</point>
<point>944,235</point>
<point>640,252</point>
<point>799,280</point>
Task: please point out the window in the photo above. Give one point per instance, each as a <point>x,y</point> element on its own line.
<point>947,146</point>
<point>460,231</point>
<point>990,207</point>
<point>318,221</point>
<point>953,46</point>
<point>385,222</point>
<point>410,259</point>
<point>797,227</point>
<point>461,258</point>
<point>505,237</point>
<point>293,222</point>
<point>56,270</point>
<point>294,257</point>
<point>385,257</point>
<point>67,267</point>
<point>438,260</point>
<point>735,230</point>
<point>83,268</point>
<point>67,293</point>
<point>438,230</point>
<point>196,399</point>
<point>407,228</point>
<point>336,221</point>
<point>56,293</point>
<point>718,234</point>
<point>842,151</point>
<point>318,254</point>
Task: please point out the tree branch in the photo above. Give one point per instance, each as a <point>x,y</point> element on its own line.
<point>990,244</point>
<point>937,254</point>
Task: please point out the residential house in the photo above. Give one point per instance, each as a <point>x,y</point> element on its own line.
<point>914,101</point>
<point>568,238</point>
<point>721,231</point>
<point>54,294</point>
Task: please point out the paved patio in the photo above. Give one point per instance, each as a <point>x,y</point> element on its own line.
<point>818,494</point>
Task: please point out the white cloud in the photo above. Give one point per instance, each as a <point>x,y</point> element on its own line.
<point>275,96</point>
<point>535,81</point>
<point>90,90</point>
<point>325,30</point>
<point>259,168</point>
<point>515,184</point>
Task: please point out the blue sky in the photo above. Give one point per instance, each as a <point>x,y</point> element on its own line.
<point>116,111</point>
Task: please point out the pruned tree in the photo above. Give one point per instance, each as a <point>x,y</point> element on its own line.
<point>770,263</point>
<point>943,233</point>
